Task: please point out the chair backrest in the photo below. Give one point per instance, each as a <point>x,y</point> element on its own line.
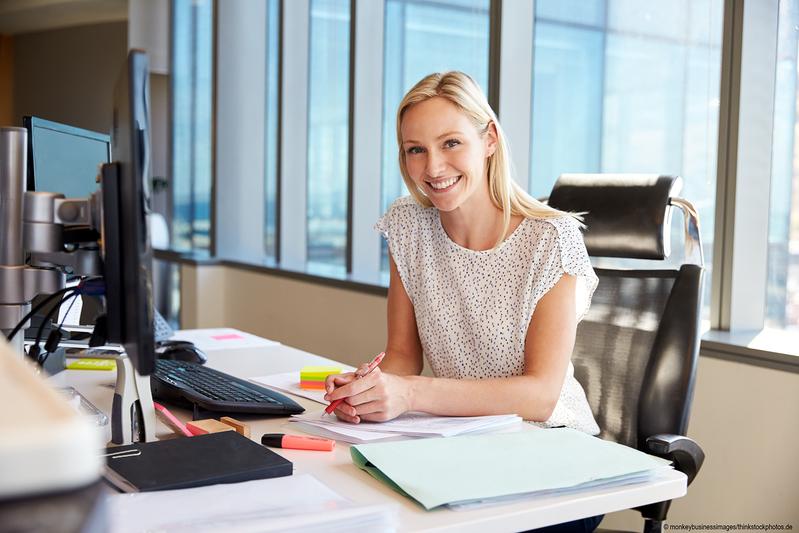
<point>636,349</point>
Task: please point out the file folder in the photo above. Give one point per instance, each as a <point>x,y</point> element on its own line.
<point>457,470</point>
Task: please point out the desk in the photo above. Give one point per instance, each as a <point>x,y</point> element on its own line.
<point>337,471</point>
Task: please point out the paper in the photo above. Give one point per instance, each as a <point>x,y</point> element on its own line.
<point>91,363</point>
<point>222,339</point>
<point>289,382</point>
<point>351,434</point>
<point>69,313</point>
<point>407,425</point>
<point>436,472</point>
<point>295,503</point>
<point>512,498</point>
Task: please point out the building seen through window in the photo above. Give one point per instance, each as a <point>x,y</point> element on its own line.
<point>629,87</point>
<point>191,107</point>
<point>421,38</point>
<point>782,301</point>
<point>328,136</point>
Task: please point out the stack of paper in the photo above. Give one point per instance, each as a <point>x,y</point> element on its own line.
<point>406,425</point>
<point>296,503</point>
<point>431,471</point>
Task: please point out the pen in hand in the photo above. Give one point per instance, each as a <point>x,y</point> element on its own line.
<point>372,365</point>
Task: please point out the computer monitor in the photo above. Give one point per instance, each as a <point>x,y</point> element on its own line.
<point>63,158</point>
<point>126,201</point>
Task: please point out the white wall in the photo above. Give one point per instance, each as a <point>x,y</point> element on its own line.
<point>745,417</point>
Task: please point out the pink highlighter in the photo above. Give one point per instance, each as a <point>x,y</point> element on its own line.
<point>297,442</point>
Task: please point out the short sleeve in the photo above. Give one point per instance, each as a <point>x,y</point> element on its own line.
<point>382,224</point>
<point>395,224</point>
<point>567,255</point>
<point>399,226</point>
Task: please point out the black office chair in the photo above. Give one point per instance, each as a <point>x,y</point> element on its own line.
<point>637,348</point>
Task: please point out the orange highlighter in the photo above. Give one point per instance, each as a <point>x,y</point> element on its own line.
<point>297,442</point>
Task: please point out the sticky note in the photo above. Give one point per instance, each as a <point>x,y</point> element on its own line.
<point>88,363</point>
<point>315,385</point>
<point>227,337</point>
<point>313,377</point>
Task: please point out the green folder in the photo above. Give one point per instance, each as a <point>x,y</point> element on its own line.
<point>461,469</point>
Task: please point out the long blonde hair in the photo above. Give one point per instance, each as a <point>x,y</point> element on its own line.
<point>464,92</point>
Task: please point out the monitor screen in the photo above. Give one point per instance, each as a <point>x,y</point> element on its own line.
<point>126,245</point>
<point>64,159</point>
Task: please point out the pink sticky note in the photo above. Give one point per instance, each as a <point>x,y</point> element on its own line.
<point>227,337</point>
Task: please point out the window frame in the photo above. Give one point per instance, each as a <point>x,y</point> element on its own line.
<point>746,123</point>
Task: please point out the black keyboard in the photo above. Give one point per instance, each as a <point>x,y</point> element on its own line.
<point>184,383</point>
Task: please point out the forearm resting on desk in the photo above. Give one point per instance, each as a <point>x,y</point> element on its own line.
<point>381,396</point>
<point>527,396</point>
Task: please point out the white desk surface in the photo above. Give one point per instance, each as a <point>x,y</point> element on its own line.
<point>336,469</point>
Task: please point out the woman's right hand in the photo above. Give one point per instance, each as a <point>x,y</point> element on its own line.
<point>376,397</point>
<point>344,411</point>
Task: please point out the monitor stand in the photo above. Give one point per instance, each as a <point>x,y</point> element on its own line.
<point>132,413</point>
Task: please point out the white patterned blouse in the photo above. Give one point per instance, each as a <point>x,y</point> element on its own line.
<point>473,308</point>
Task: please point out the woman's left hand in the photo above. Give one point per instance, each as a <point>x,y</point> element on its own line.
<point>376,397</point>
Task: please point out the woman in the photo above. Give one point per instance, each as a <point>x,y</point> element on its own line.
<point>486,282</point>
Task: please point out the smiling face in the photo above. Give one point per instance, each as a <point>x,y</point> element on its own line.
<point>445,155</point>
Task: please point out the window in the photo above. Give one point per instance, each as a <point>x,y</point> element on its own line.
<point>328,136</point>
<point>782,301</point>
<point>629,87</point>
<point>422,38</point>
<point>271,126</point>
<point>305,124</point>
<point>191,104</point>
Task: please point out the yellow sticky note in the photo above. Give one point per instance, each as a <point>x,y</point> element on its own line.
<point>89,363</point>
<point>317,373</point>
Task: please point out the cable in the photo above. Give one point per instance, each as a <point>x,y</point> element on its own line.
<point>34,349</point>
<point>93,286</point>
<point>55,336</point>
<point>36,308</point>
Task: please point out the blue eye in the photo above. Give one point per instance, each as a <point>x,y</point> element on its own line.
<point>414,150</point>
<point>452,143</point>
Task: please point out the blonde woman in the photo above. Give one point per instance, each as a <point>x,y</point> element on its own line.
<point>486,282</point>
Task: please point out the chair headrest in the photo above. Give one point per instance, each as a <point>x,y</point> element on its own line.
<point>626,215</point>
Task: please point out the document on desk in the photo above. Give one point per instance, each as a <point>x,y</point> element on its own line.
<point>513,498</point>
<point>433,472</point>
<point>296,503</point>
<point>290,382</point>
<point>222,339</point>
<point>407,425</point>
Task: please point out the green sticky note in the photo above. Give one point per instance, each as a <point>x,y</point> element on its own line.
<point>317,373</point>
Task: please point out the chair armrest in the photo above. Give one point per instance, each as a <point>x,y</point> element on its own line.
<point>684,452</point>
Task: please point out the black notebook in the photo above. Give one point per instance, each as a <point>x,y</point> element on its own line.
<point>187,462</point>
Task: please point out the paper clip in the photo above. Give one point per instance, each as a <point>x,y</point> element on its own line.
<point>122,454</point>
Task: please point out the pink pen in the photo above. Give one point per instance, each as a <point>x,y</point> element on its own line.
<point>376,361</point>
<point>171,420</point>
